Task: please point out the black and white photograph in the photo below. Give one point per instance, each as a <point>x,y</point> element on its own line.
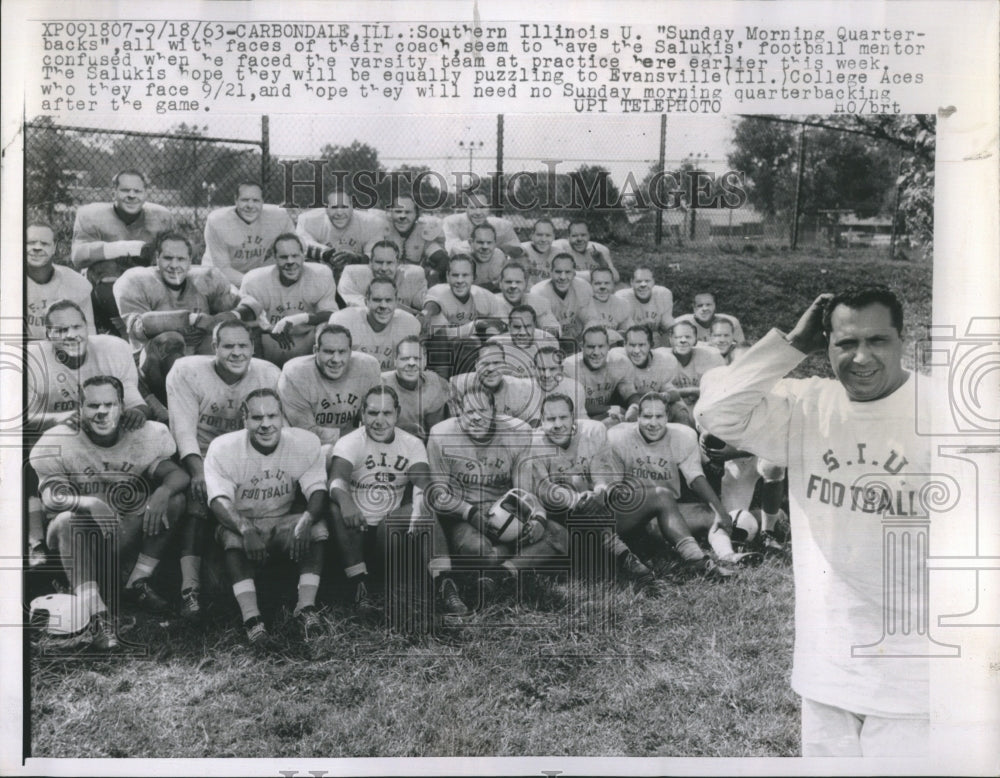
<point>467,388</point>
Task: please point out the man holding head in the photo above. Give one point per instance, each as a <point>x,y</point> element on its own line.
<point>859,432</point>
<point>240,237</point>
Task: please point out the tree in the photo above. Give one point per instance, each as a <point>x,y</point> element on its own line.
<point>46,171</point>
<point>357,167</point>
<point>597,200</point>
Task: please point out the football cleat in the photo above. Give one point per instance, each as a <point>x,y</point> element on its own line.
<point>773,548</point>
<point>743,559</point>
<point>362,601</point>
<point>141,593</point>
<point>704,568</point>
<point>257,634</point>
<point>631,568</point>
<point>102,630</point>
<point>38,555</point>
<point>191,603</point>
<point>450,599</point>
<point>310,624</point>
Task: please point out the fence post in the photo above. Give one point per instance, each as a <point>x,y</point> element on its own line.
<point>663,162</point>
<point>895,206</point>
<point>265,152</point>
<point>798,186</point>
<point>498,173</point>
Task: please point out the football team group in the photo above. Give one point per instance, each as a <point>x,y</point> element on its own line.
<point>361,367</point>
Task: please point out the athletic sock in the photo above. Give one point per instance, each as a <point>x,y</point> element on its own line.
<point>615,545</point>
<point>768,521</point>
<point>190,572</point>
<point>89,595</point>
<point>246,598</point>
<point>689,549</point>
<point>308,586</point>
<point>144,567</point>
<point>353,571</point>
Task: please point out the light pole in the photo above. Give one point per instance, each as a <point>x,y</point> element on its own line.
<point>471,145</point>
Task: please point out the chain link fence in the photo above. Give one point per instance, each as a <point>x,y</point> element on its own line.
<point>769,183</point>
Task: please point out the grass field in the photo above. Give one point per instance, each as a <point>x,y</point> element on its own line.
<point>699,669</point>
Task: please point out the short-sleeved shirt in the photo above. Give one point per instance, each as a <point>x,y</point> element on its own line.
<point>98,223</point>
<point>614,313</point>
<point>544,318</point>
<point>263,486</point>
<point>599,386</point>
<point>382,344</point>
<point>423,239</point>
<point>314,291</point>
<point>520,362</point>
<point>65,284</point>
<point>657,375</point>
<point>364,228</point>
<point>458,229</point>
<point>572,465</point>
<point>118,474</point>
<point>380,471</point>
<point>538,265</point>
<point>202,406</point>
<point>703,359</point>
<point>657,311</point>
<point>233,243</point>
<point>411,285</point>
<point>327,408</point>
<point>514,397</point>
<point>480,304</point>
<point>141,290</point>
<point>53,387</point>
<point>629,455</point>
<point>704,333</point>
<point>595,256</point>
<point>566,308</point>
<point>478,472</point>
<point>429,396</point>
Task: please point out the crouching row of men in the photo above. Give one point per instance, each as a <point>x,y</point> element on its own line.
<point>272,489</point>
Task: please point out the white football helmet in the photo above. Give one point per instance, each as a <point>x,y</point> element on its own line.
<point>745,526</point>
<point>508,517</point>
<point>59,614</point>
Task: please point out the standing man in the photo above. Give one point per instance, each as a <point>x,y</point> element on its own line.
<point>120,482</point>
<point>294,295</point>
<point>410,281</point>
<point>371,470</point>
<point>45,282</point>
<point>422,393</point>
<point>321,392</point>
<point>377,328</point>
<point>587,254</point>
<point>251,478</point>
<point>704,317</point>
<point>605,307</point>
<point>649,303</point>
<point>566,295</point>
<point>240,237</point>
<point>337,235</point>
<point>109,238</point>
<point>513,292</point>
<point>204,396</point>
<point>836,430</point>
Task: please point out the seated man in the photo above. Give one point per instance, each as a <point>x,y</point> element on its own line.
<point>45,282</point>
<point>606,308</point>
<point>109,238</point>
<point>294,296</point>
<point>512,396</point>
<point>419,238</point>
<point>649,303</point>
<point>563,451</point>
<point>649,369</point>
<point>550,379</point>
<point>704,317</point>
<point>337,235</point>
<point>538,251</point>
<point>240,237</point>
<point>637,475</point>
<point>601,380</point>
<point>458,227</point>
<point>371,470</point>
<point>475,459</point>
<point>723,340</point>
<point>321,392</point>
<point>377,328</point>
<point>251,478</point>
<point>566,294</point>
<point>513,286</point>
<point>422,393</point>
<point>66,359</point>
<point>522,341</point>
<point>689,361</point>
<point>587,254</point>
<point>171,309</point>
<point>205,394</point>
<point>489,259</point>
<point>411,284</point>
<point>102,478</point>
